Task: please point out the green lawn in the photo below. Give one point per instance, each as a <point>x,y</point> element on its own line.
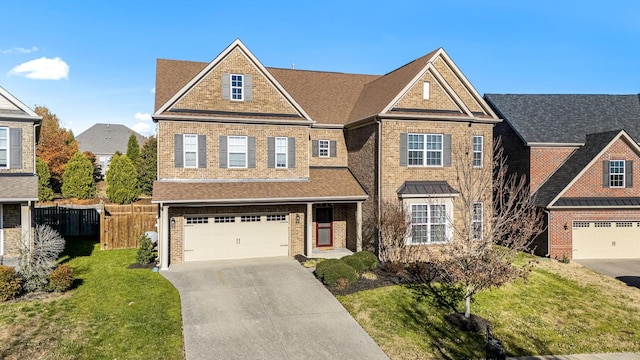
<point>561,309</point>
<point>112,313</point>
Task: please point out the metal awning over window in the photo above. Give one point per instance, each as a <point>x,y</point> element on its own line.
<point>418,189</point>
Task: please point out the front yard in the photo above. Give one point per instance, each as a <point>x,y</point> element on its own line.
<point>111,313</point>
<point>561,309</point>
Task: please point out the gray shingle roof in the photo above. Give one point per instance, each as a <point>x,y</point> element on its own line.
<point>18,187</point>
<point>567,118</point>
<point>107,139</point>
<point>425,188</point>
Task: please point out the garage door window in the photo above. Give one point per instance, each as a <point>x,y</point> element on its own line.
<point>197,220</point>
<point>224,219</point>
<point>250,218</point>
<point>276,217</point>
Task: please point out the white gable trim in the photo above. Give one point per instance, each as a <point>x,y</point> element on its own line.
<point>452,94</point>
<point>12,99</point>
<point>215,62</point>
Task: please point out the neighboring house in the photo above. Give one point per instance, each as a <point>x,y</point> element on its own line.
<point>256,161</point>
<point>19,130</point>
<point>104,140</point>
<point>578,153</point>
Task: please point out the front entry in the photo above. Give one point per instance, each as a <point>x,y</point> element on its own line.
<point>324,226</point>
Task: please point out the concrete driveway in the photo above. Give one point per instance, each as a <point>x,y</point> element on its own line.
<point>270,308</point>
<point>625,270</point>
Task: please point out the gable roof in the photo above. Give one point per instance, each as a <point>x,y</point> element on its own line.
<point>171,76</point>
<point>576,164</point>
<point>11,107</point>
<point>566,119</point>
<point>107,139</point>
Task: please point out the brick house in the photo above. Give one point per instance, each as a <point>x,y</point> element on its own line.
<point>578,153</point>
<point>19,129</point>
<point>257,161</point>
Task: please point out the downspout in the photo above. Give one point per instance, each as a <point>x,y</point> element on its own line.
<point>378,180</point>
<point>548,233</point>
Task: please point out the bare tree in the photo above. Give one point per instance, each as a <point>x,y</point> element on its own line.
<point>496,219</point>
<point>38,257</point>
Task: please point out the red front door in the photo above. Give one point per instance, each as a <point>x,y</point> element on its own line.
<point>324,227</point>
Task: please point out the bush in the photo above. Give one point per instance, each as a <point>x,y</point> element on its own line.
<point>394,267</point>
<point>369,259</point>
<point>38,259</point>
<point>45,193</point>
<point>337,271</point>
<point>77,179</point>
<point>323,266</point>
<point>61,278</point>
<point>146,252</point>
<point>10,283</point>
<point>354,262</point>
<point>122,180</point>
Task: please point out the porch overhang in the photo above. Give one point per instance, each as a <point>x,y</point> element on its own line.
<point>426,189</point>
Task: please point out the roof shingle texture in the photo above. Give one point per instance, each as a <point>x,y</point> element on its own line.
<point>567,118</point>
<point>324,183</point>
<point>426,188</point>
<point>107,139</point>
<point>19,187</point>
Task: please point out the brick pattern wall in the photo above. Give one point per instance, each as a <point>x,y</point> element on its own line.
<point>28,147</point>
<point>590,183</point>
<point>341,147</point>
<point>11,228</point>
<point>545,161</point>
<point>516,153</point>
<point>207,94</point>
<point>438,98</point>
<point>452,79</point>
<point>167,169</point>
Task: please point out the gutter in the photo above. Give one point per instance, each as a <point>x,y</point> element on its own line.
<point>155,118</point>
<point>548,254</point>
<point>257,201</point>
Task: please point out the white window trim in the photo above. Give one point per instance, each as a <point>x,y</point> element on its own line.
<point>481,151</point>
<point>327,147</point>
<point>285,153</point>
<point>446,201</point>
<point>424,150</point>
<point>477,221</point>
<point>184,150</point>
<point>246,152</point>
<point>611,174</point>
<point>7,149</point>
<point>231,87</point>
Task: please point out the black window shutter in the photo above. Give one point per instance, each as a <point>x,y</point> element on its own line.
<point>226,86</point>
<point>403,149</point>
<point>291,148</point>
<point>628,174</point>
<point>446,150</point>
<point>202,151</point>
<point>15,151</point>
<point>222,151</point>
<point>178,155</point>
<point>333,148</point>
<point>314,148</point>
<point>251,156</point>
<point>605,173</point>
<point>271,152</point>
<point>248,85</point>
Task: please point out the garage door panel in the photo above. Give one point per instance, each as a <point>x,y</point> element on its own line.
<point>606,239</point>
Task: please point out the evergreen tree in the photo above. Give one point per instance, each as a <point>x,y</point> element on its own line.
<point>133,149</point>
<point>148,166</point>
<point>77,180</point>
<point>97,169</point>
<point>45,193</point>
<point>122,180</point>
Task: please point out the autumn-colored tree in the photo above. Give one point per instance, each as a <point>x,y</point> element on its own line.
<point>55,146</point>
<point>77,180</point>
<point>133,149</point>
<point>45,193</point>
<point>148,166</point>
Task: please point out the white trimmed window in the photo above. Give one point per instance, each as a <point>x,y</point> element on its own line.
<point>477,220</point>
<point>616,173</point>
<point>281,152</point>
<point>237,150</point>
<point>4,147</point>
<point>428,224</point>
<point>424,149</point>
<point>190,146</point>
<point>323,148</point>
<point>478,144</point>
<point>237,81</point>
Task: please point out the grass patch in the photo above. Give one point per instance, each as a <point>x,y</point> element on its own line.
<point>112,312</point>
<point>560,309</point>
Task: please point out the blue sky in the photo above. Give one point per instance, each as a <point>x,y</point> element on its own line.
<point>94,61</point>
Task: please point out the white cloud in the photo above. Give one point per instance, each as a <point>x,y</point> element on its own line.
<point>142,116</point>
<point>42,69</point>
<point>19,50</point>
<point>143,128</point>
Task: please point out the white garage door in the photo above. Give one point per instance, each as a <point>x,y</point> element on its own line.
<point>235,236</point>
<point>606,239</point>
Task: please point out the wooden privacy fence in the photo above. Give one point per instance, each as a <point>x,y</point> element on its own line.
<point>72,221</point>
<point>122,225</point>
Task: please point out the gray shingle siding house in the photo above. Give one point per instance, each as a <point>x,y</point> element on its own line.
<point>104,140</point>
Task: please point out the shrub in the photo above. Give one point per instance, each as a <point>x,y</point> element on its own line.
<point>323,266</point>
<point>45,193</point>
<point>122,180</point>
<point>339,270</point>
<point>146,252</point>
<point>369,259</point>
<point>38,259</point>
<point>147,166</point>
<point>61,278</point>
<point>354,262</point>
<point>394,267</point>
<point>77,180</point>
<point>10,283</point>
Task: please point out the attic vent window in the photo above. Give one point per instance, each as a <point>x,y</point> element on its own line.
<point>425,92</point>
<point>236,87</point>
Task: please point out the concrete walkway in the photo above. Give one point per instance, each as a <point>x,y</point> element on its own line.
<point>614,356</point>
<point>264,309</point>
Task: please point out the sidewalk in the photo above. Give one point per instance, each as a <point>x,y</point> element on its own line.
<point>613,356</point>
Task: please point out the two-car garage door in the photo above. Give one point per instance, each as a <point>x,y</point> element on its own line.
<point>235,236</point>
<point>606,239</point>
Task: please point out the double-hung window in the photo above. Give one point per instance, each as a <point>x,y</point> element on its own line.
<point>478,143</point>
<point>190,150</point>
<point>428,223</point>
<point>477,220</point>
<point>323,148</point>
<point>237,150</point>
<point>281,152</point>
<point>424,149</point>
<point>236,87</point>
<point>616,173</point>
<point>4,147</point>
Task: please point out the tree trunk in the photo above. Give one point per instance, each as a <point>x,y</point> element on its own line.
<point>467,303</point>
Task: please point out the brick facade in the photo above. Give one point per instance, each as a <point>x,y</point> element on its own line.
<point>438,98</point>
<point>28,147</point>
<point>341,147</point>
<point>12,233</point>
<point>545,161</point>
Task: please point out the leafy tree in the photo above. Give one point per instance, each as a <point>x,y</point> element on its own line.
<point>55,146</point>
<point>45,193</point>
<point>133,148</point>
<point>148,166</point>
<point>77,180</point>
<point>122,180</point>
<point>97,169</point>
